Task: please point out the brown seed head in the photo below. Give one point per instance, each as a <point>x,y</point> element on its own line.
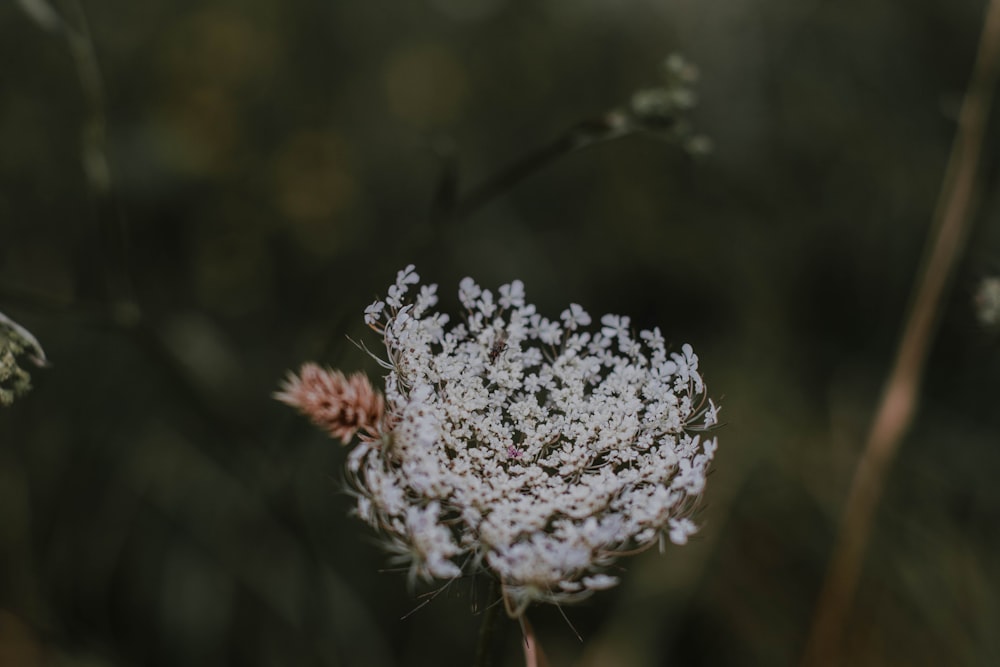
<point>337,404</point>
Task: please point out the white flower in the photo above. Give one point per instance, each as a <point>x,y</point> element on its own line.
<point>547,332</point>
<point>427,299</point>
<point>537,451</point>
<point>600,582</point>
<point>575,316</point>
<point>615,326</point>
<point>404,279</point>
<point>711,416</point>
<point>987,301</point>
<point>373,313</point>
<point>468,292</point>
<point>512,295</point>
<point>432,543</point>
<point>681,530</point>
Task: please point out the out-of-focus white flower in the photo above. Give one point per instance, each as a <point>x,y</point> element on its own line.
<point>987,301</point>
<point>575,316</point>
<point>535,452</point>
<point>681,529</point>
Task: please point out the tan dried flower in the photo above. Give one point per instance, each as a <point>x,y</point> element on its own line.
<point>340,405</point>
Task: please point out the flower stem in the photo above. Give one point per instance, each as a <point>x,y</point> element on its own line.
<point>952,220</point>
<point>580,136</point>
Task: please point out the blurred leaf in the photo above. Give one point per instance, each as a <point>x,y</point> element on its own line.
<point>42,13</point>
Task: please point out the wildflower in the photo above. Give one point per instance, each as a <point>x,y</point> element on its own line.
<point>511,444</point>
<point>16,343</point>
<point>339,405</point>
<point>663,109</point>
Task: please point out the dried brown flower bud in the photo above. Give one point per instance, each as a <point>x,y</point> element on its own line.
<point>340,405</point>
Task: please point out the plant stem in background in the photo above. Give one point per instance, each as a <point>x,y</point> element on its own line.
<point>112,227</point>
<point>492,618</point>
<point>660,110</point>
<point>109,295</point>
<point>952,219</point>
<point>582,135</point>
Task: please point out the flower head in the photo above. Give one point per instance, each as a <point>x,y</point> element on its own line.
<point>16,345</point>
<point>339,405</point>
<point>533,449</point>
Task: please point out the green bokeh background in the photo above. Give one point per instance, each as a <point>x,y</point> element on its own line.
<point>274,164</point>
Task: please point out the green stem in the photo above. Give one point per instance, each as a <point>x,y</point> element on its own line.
<point>580,136</point>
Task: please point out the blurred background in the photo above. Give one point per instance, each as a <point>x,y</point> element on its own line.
<point>251,174</point>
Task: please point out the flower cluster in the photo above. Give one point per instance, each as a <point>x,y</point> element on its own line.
<point>663,109</point>
<point>536,450</point>
<point>16,343</point>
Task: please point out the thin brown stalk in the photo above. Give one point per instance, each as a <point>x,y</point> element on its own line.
<point>952,220</point>
<point>533,654</point>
